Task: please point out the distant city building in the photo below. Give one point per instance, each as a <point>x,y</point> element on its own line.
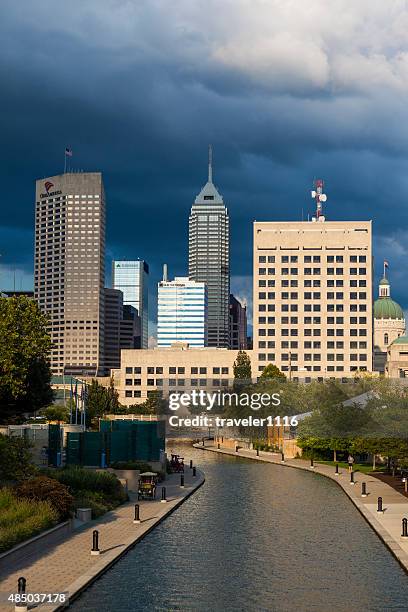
<point>122,328</point>
<point>313,297</point>
<point>182,312</point>
<point>69,269</point>
<point>130,328</point>
<point>176,369</point>
<point>132,278</point>
<point>113,317</point>
<point>238,324</point>
<point>208,260</point>
<point>389,323</point>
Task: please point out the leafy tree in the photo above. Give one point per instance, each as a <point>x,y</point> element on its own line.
<point>242,370</point>
<point>101,400</point>
<point>15,459</point>
<point>272,372</point>
<point>56,413</point>
<point>154,404</point>
<point>25,373</point>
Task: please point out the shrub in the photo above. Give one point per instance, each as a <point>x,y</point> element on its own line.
<point>43,488</point>
<point>88,501</point>
<point>21,519</point>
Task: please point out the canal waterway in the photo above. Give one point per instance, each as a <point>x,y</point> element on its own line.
<point>256,537</point>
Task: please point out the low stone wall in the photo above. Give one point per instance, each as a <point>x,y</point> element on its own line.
<point>33,545</point>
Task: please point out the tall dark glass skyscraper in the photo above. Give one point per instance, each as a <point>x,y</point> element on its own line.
<point>208,258</point>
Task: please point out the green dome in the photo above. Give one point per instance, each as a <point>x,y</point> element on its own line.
<point>384,281</point>
<point>401,340</point>
<point>386,308</point>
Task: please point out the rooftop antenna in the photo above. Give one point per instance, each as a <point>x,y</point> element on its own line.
<point>320,197</point>
<point>210,164</point>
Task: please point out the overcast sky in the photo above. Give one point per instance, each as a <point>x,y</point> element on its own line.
<point>285,90</point>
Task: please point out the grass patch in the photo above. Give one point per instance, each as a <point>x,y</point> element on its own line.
<point>364,468</point>
<point>21,519</point>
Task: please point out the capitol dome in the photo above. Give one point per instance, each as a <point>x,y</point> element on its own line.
<point>385,307</point>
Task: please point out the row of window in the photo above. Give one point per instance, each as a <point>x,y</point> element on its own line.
<point>311,357</point>
<point>311,332</point>
<point>312,307</point>
<point>311,283</point>
<point>309,295</point>
<point>310,271</point>
<point>178,382</point>
<point>310,320</point>
<point>312,259</point>
<point>174,370</point>
<point>316,344</point>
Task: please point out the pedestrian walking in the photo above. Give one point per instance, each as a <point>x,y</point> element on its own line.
<point>350,461</point>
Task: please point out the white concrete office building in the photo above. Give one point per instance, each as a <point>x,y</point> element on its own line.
<point>182,313</point>
<point>313,310</point>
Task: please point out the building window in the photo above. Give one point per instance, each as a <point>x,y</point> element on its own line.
<point>128,371</point>
<point>128,381</point>
<point>137,393</point>
<point>128,394</point>
<point>386,339</point>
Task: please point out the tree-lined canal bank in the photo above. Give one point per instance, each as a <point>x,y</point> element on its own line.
<point>255,537</point>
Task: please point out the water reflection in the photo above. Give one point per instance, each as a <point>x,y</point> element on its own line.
<point>255,537</point>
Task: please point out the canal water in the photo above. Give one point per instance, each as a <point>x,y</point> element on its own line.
<point>255,537</point>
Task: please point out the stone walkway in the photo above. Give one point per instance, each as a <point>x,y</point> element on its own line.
<point>388,524</point>
<point>68,566</point>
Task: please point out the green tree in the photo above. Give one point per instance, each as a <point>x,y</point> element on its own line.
<point>272,372</point>
<point>101,400</point>
<point>25,374</point>
<point>56,413</point>
<point>15,459</point>
<point>242,371</point>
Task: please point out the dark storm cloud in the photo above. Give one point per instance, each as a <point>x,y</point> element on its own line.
<point>138,90</point>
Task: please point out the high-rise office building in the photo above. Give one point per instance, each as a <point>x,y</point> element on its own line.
<point>208,259</point>
<point>70,268</point>
<point>132,278</point>
<point>122,328</point>
<point>113,318</point>
<point>238,324</point>
<point>182,312</point>
<point>313,297</point>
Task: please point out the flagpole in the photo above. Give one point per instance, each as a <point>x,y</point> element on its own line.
<point>65,162</point>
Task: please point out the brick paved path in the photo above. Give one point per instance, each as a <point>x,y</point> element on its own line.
<point>68,565</point>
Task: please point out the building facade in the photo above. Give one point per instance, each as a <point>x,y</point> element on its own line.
<point>132,278</point>
<point>389,324</point>
<point>69,269</point>
<point>176,369</point>
<point>238,324</point>
<point>113,318</point>
<point>313,297</point>
<point>122,328</point>
<point>182,313</point>
<point>397,358</point>
<point>208,258</point>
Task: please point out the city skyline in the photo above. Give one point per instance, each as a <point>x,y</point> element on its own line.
<point>275,123</point>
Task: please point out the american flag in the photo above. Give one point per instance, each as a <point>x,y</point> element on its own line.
<point>68,152</point>
<point>386,264</point>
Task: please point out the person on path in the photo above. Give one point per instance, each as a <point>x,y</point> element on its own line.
<point>350,461</point>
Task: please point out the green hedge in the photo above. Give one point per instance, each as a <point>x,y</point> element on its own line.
<point>21,519</point>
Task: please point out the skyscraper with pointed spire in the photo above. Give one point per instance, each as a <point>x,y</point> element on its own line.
<point>208,257</point>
